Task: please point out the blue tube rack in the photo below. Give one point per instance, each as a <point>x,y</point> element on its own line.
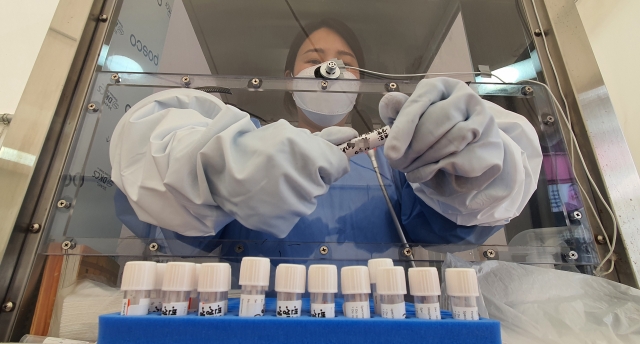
<point>193,329</point>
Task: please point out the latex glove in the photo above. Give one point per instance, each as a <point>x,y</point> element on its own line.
<point>469,159</point>
<point>189,163</point>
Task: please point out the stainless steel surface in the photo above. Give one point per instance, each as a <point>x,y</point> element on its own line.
<point>50,106</point>
<point>596,126</point>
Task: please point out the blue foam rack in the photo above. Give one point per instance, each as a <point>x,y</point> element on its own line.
<point>192,329</point>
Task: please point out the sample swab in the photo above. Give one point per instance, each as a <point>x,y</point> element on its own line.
<point>356,288</point>
<point>374,265</point>
<point>213,288</point>
<point>138,280</point>
<point>392,287</point>
<point>155,305</point>
<point>462,287</point>
<point>323,285</point>
<point>254,279</point>
<point>424,285</point>
<point>290,285</point>
<point>177,285</point>
<point>365,142</point>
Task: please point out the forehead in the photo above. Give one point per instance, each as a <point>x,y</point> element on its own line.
<point>326,39</point>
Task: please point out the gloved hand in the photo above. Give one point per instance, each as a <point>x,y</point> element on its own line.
<point>450,144</point>
<point>189,163</point>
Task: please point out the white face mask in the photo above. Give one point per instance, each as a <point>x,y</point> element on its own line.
<point>326,109</point>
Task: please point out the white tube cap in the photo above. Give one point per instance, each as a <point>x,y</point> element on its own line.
<point>355,280</point>
<point>461,282</point>
<point>424,282</point>
<point>160,268</point>
<point>179,276</point>
<point>291,278</point>
<point>214,277</point>
<point>139,276</point>
<point>391,281</point>
<point>323,279</point>
<point>255,271</point>
<point>375,264</point>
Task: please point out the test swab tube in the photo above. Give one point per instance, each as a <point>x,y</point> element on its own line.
<point>138,280</point>
<point>462,287</point>
<point>392,287</point>
<point>356,288</point>
<point>193,297</point>
<point>290,283</point>
<point>424,285</point>
<point>323,286</point>
<point>374,265</point>
<point>254,279</point>
<point>213,286</point>
<point>155,305</point>
<point>365,142</point>
<point>176,288</point>
<point>226,302</point>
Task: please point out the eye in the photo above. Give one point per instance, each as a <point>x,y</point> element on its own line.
<point>314,62</point>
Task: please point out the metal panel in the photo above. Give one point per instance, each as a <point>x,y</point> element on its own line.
<point>595,124</point>
<point>55,89</point>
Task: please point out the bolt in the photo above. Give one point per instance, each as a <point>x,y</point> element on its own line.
<point>186,81</point>
<point>490,253</point>
<point>63,204</point>
<point>407,252</point>
<point>393,85</point>
<point>526,90</point>
<point>153,246</point>
<point>92,107</point>
<point>34,228</point>
<point>103,17</point>
<point>324,250</point>
<point>239,248</point>
<point>549,120</point>
<point>115,77</point>
<point>255,81</point>
<point>8,306</point>
<point>573,255</point>
<point>324,84</point>
<point>537,32</point>
<point>600,239</point>
<point>68,245</point>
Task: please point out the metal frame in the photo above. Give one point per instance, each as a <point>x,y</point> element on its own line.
<point>595,125</point>
<point>48,113</point>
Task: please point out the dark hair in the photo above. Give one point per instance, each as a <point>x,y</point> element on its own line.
<point>335,25</point>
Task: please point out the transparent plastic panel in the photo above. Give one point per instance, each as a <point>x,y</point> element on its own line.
<point>216,44</point>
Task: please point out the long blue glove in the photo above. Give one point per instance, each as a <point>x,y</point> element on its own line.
<point>189,163</point>
<point>471,160</point>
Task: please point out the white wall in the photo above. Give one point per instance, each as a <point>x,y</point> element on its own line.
<point>23,25</point>
<point>612,27</point>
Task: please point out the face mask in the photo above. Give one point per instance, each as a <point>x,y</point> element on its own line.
<point>326,109</point>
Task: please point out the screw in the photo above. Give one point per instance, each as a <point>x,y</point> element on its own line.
<point>407,252</point>
<point>63,204</point>
<point>186,81</point>
<point>324,250</point>
<point>34,228</point>
<point>68,245</point>
<point>8,306</point>
<point>324,84</point>
<point>92,107</point>
<point>239,248</point>
<point>573,255</point>
<point>153,246</point>
<point>490,253</point>
<point>391,87</point>
<point>115,77</point>
<point>526,90</point>
<point>576,215</point>
<point>103,17</point>
<point>549,120</point>
<point>600,239</point>
<point>537,32</point>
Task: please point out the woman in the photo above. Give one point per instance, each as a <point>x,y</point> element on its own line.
<point>201,174</point>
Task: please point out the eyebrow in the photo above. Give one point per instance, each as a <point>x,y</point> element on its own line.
<point>321,51</point>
